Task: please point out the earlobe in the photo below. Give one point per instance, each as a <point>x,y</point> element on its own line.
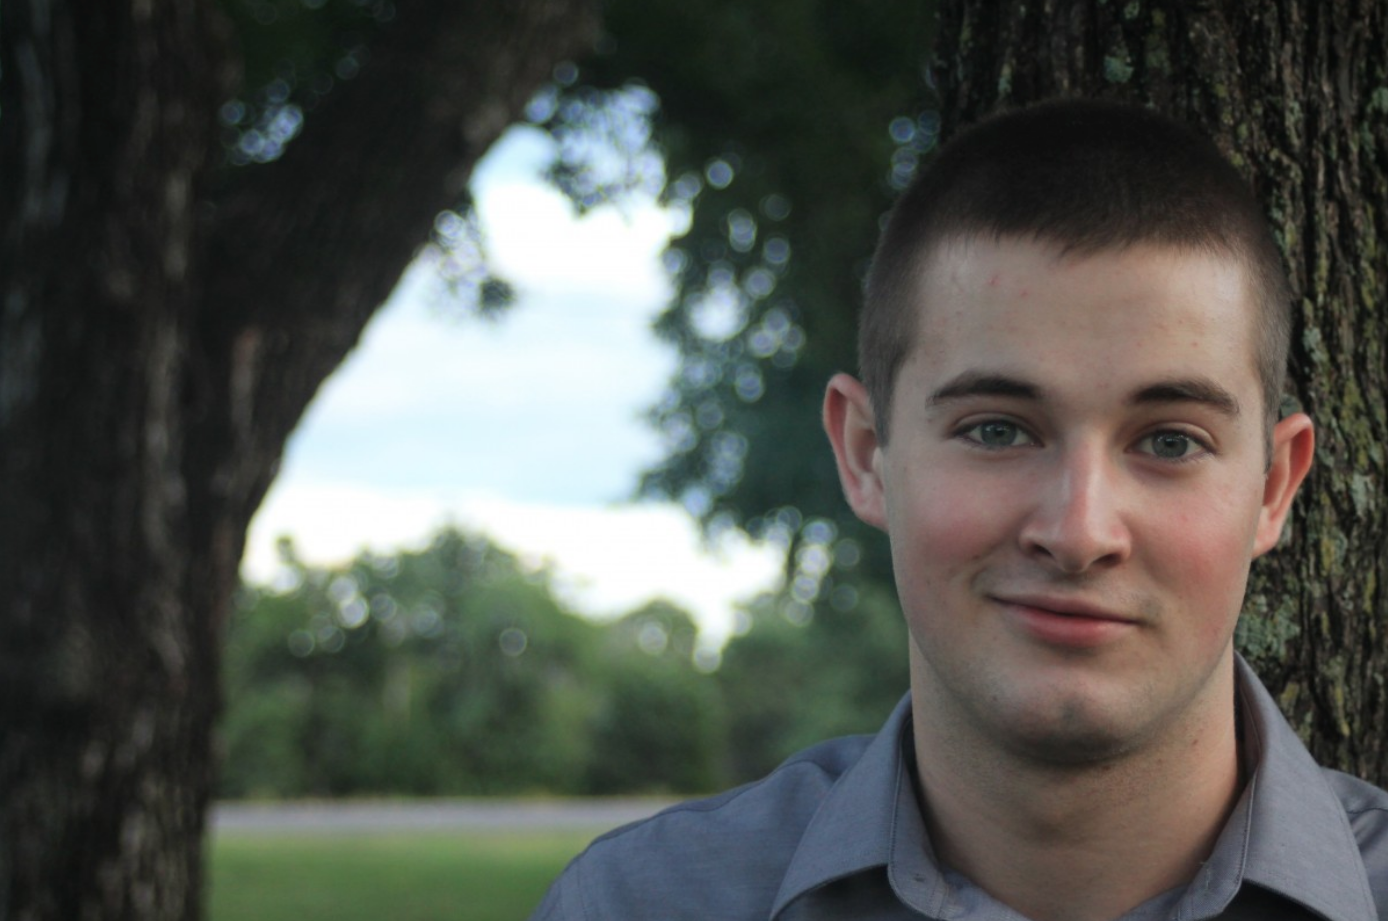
<point>849,423</point>
<point>1293,448</point>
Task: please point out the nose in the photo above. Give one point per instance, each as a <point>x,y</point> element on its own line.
<point>1077,522</point>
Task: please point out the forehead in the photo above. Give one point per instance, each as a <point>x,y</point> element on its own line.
<point>1142,304</point>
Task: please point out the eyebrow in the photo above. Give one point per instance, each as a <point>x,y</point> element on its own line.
<point>1189,390</point>
<point>1180,390</point>
<point>978,384</point>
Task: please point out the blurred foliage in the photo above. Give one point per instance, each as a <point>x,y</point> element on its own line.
<point>783,129</point>
<point>454,670</point>
<point>294,53</point>
<point>789,684</point>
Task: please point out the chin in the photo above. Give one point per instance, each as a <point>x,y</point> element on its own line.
<point>1071,733</point>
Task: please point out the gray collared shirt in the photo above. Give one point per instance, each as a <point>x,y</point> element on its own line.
<point>836,832</point>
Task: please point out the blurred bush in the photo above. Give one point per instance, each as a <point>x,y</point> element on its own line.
<point>454,670</point>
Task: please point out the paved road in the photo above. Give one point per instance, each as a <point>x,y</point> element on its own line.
<point>596,814</point>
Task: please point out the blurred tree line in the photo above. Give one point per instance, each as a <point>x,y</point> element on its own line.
<point>455,670</point>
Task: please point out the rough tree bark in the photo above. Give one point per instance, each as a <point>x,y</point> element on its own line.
<point>1296,91</point>
<point>163,325</point>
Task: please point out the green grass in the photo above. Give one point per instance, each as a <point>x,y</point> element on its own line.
<point>416,876</point>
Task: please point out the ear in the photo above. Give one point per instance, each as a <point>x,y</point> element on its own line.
<point>1293,444</point>
<point>849,422</point>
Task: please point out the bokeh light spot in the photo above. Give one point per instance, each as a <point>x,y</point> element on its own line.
<point>513,641</point>
<point>719,173</point>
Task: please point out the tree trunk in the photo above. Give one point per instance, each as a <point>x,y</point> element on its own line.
<point>163,324</point>
<point>1296,92</point>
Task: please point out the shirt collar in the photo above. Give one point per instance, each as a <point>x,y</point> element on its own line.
<point>1288,834</point>
<point>1296,839</point>
<point>848,833</point>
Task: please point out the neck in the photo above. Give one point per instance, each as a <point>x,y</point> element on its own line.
<point>1084,842</point>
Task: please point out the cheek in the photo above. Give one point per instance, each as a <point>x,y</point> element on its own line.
<point>943,527</point>
<point>1203,550</point>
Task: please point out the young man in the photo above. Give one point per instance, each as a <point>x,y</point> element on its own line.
<point>1073,346</point>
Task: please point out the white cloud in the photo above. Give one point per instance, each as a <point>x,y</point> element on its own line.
<point>606,560</point>
<point>545,404</point>
<point>575,346</point>
<point>536,241</point>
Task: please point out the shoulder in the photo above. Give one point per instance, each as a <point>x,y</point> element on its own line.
<point>774,808</point>
<point>731,849</point>
<point>1366,808</point>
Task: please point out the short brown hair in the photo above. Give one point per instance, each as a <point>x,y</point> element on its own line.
<point>1090,176</point>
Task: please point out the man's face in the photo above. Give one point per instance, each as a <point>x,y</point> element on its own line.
<point>1074,488</point>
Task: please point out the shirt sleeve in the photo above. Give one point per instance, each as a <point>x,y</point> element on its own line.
<point>549,909</point>
<point>562,902</point>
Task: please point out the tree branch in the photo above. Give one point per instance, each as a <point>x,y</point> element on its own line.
<point>302,251</point>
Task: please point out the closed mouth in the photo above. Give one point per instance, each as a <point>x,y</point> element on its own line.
<point>1064,607</point>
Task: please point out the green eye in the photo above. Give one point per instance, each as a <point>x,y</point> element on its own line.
<point>998,434</point>
<point>1172,445</point>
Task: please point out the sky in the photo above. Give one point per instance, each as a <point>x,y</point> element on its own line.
<point>527,428</point>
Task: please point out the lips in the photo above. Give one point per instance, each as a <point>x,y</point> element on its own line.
<point>1065,607</point>
<point>1065,622</point>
